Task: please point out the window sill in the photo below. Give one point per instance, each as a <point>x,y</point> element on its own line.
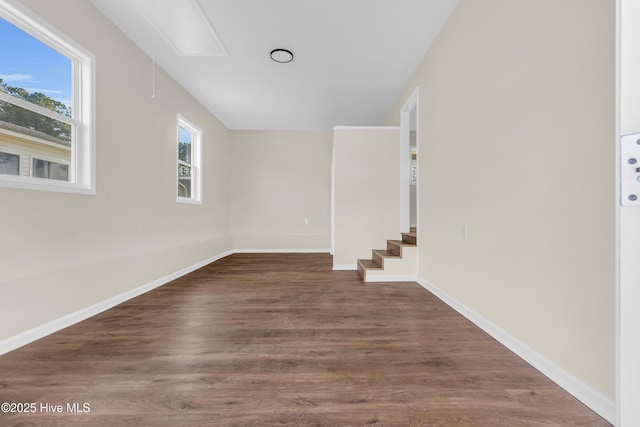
<point>188,201</point>
<point>26,183</point>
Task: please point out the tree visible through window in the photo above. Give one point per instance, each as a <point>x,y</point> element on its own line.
<point>27,119</point>
<point>46,111</point>
<point>46,106</point>
<point>188,161</point>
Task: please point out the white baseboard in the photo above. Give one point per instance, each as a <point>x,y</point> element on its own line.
<point>48,328</point>
<point>282,251</point>
<point>595,400</point>
<point>339,267</point>
<point>380,279</point>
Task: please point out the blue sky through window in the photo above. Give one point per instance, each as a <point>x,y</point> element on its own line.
<point>28,63</point>
<point>184,135</point>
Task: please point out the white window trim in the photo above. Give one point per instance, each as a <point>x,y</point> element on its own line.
<point>196,164</point>
<point>83,164</point>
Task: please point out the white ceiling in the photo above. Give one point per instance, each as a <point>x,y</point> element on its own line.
<point>352,57</point>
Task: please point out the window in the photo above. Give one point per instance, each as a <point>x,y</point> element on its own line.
<point>50,170</point>
<point>46,106</point>
<point>188,170</point>
<point>9,164</point>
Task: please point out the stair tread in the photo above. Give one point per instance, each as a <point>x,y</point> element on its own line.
<point>385,253</point>
<point>400,243</point>
<point>369,263</point>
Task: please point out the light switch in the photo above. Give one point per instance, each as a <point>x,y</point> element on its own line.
<point>629,170</point>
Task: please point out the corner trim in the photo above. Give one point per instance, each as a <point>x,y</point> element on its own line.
<point>41,331</point>
<point>591,397</point>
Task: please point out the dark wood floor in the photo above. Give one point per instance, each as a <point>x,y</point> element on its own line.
<point>262,340</point>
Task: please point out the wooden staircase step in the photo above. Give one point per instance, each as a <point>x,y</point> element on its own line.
<point>395,246</point>
<point>410,237</point>
<point>393,251</point>
<point>378,256</point>
<point>367,264</point>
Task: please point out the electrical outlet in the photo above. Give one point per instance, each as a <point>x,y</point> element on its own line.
<point>306,221</point>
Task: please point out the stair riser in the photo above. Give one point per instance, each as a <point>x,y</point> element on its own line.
<point>393,248</point>
<point>410,240</point>
<point>377,259</point>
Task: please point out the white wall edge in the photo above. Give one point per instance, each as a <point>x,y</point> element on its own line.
<point>282,251</point>
<point>621,393</point>
<point>34,334</point>
<point>333,196</point>
<point>341,267</point>
<point>405,156</point>
<point>391,278</point>
<point>592,398</point>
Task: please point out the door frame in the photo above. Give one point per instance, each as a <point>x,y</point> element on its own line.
<point>405,159</point>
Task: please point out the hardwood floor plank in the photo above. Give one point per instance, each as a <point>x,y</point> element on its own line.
<point>281,339</point>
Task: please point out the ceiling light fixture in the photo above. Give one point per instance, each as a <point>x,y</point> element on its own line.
<point>282,55</point>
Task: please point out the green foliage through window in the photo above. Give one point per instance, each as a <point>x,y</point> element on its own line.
<point>18,116</point>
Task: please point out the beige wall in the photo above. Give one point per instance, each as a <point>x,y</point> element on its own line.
<point>516,141</point>
<point>277,180</point>
<point>367,191</point>
<point>61,252</point>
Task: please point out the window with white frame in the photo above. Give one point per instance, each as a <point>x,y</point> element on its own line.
<point>9,163</point>
<point>188,170</point>
<point>47,137</point>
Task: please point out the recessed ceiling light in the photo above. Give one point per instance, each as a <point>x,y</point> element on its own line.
<point>282,55</point>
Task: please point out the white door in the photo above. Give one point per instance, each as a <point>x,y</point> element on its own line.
<point>628,363</point>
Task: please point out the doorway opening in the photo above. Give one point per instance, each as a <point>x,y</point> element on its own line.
<point>409,164</point>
